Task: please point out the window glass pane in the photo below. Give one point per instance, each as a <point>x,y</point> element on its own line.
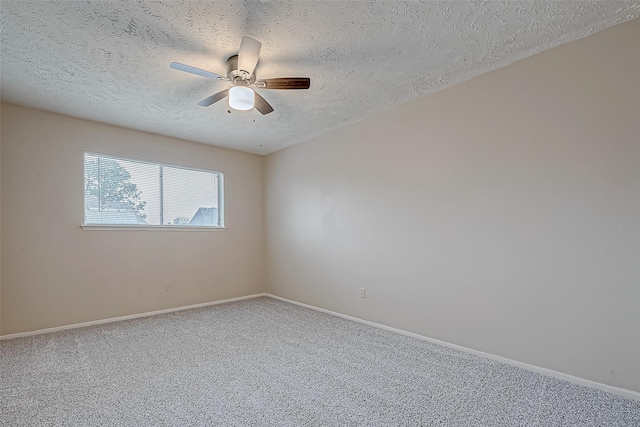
<point>190,197</point>
<point>121,192</point>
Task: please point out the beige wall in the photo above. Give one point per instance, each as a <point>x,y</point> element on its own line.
<point>54,273</point>
<point>502,214</point>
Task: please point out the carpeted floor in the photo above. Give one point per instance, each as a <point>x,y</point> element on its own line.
<point>263,362</point>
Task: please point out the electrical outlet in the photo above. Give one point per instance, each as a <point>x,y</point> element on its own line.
<point>167,286</point>
<point>363,293</point>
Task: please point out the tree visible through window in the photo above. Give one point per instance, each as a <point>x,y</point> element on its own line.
<point>110,184</point>
<point>125,191</point>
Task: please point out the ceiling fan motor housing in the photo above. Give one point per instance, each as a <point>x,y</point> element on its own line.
<point>235,75</point>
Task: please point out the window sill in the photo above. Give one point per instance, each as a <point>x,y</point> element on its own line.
<point>105,227</point>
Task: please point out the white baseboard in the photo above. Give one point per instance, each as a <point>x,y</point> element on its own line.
<point>629,394</point>
<point>128,317</point>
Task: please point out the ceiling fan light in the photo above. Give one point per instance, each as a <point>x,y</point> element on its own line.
<point>241,98</point>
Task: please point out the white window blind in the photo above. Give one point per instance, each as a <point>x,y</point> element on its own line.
<point>121,191</point>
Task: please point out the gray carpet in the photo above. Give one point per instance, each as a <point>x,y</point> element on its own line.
<point>263,362</point>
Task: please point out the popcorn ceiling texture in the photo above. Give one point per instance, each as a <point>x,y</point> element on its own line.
<point>109,60</point>
<point>263,362</point>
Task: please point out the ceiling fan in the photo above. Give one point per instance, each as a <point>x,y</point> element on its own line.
<point>241,74</point>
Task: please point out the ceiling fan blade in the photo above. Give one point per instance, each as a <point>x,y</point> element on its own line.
<point>248,54</point>
<point>285,83</point>
<point>214,98</point>
<point>261,105</point>
<point>196,71</point>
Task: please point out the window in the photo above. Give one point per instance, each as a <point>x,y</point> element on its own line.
<point>127,192</point>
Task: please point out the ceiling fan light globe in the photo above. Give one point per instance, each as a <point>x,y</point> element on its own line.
<point>241,98</point>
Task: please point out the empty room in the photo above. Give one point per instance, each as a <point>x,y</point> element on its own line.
<point>319,213</point>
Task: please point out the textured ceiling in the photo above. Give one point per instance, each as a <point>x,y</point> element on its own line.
<point>109,60</point>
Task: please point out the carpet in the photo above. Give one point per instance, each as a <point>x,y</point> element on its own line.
<point>264,362</point>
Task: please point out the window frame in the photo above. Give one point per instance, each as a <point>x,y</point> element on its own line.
<point>155,227</point>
